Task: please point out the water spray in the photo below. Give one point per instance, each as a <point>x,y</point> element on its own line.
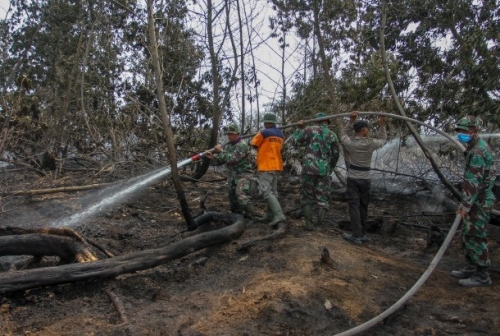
<point>126,191</point>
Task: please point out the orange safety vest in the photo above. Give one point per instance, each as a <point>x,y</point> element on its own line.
<point>269,142</point>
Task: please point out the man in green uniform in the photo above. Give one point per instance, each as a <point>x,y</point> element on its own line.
<point>477,201</point>
<point>321,156</point>
<point>236,157</point>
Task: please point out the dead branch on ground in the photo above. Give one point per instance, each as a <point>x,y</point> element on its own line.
<point>56,190</point>
<point>118,305</point>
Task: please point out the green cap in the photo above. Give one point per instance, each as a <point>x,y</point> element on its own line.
<point>466,122</point>
<point>269,118</point>
<point>233,129</point>
<point>322,115</point>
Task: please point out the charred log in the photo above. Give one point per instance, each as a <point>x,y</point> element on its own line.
<point>102,269</point>
<point>39,245</point>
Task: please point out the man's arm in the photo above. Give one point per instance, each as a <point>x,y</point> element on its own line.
<point>380,136</point>
<point>344,134</point>
<point>257,140</point>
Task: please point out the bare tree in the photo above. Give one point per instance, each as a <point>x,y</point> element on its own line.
<point>221,94</point>
<point>165,118</point>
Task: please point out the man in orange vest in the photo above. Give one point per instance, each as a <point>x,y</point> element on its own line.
<point>268,143</point>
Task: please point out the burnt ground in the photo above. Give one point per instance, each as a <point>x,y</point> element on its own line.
<point>276,287</point>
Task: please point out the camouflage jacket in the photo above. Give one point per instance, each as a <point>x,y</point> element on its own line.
<point>236,157</point>
<point>479,173</point>
<point>322,149</point>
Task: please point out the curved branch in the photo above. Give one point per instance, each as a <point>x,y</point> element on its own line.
<point>431,156</point>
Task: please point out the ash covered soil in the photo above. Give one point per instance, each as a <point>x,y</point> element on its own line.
<point>277,287</point>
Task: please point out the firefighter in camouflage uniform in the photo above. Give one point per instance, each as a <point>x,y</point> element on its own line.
<point>477,202</point>
<point>240,174</point>
<point>321,156</point>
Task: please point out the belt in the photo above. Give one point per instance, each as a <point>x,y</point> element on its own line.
<point>354,167</point>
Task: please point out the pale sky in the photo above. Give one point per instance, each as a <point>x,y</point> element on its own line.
<point>4,4</point>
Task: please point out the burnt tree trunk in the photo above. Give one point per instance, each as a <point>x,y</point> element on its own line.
<point>165,118</point>
<point>20,280</point>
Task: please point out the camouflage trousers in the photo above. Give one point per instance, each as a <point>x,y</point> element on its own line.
<point>315,189</point>
<point>474,233</point>
<point>268,183</point>
<point>241,187</point>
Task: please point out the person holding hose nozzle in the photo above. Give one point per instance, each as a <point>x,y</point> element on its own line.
<point>477,202</point>
<point>236,157</point>
<point>358,153</point>
<point>269,143</point>
<point>321,156</point>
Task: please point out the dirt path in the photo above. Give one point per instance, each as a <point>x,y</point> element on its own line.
<point>274,288</point>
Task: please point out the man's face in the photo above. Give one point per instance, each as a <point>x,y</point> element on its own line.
<point>232,136</point>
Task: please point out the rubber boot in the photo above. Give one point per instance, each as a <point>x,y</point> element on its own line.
<point>321,216</point>
<point>306,210</point>
<point>479,279</point>
<point>275,207</point>
<point>464,272</point>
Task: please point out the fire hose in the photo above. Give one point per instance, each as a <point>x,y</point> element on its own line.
<point>390,115</point>
<point>377,319</point>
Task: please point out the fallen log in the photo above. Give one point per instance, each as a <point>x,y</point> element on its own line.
<point>64,232</point>
<point>112,267</point>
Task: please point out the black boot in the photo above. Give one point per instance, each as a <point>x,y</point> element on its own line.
<point>465,272</point>
<point>479,279</point>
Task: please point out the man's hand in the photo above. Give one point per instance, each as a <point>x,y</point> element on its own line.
<point>218,148</point>
<point>353,117</point>
<point>301,124</point>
